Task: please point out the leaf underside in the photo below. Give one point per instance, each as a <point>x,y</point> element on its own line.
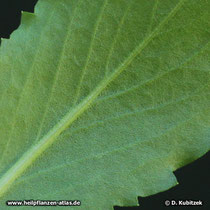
<point>102,100</point>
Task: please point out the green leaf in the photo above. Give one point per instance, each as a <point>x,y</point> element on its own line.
<point>102,100</point>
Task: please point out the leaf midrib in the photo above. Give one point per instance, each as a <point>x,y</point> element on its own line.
<point>36,150</point>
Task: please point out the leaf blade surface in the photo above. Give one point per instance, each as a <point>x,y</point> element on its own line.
<point>121,90</point>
